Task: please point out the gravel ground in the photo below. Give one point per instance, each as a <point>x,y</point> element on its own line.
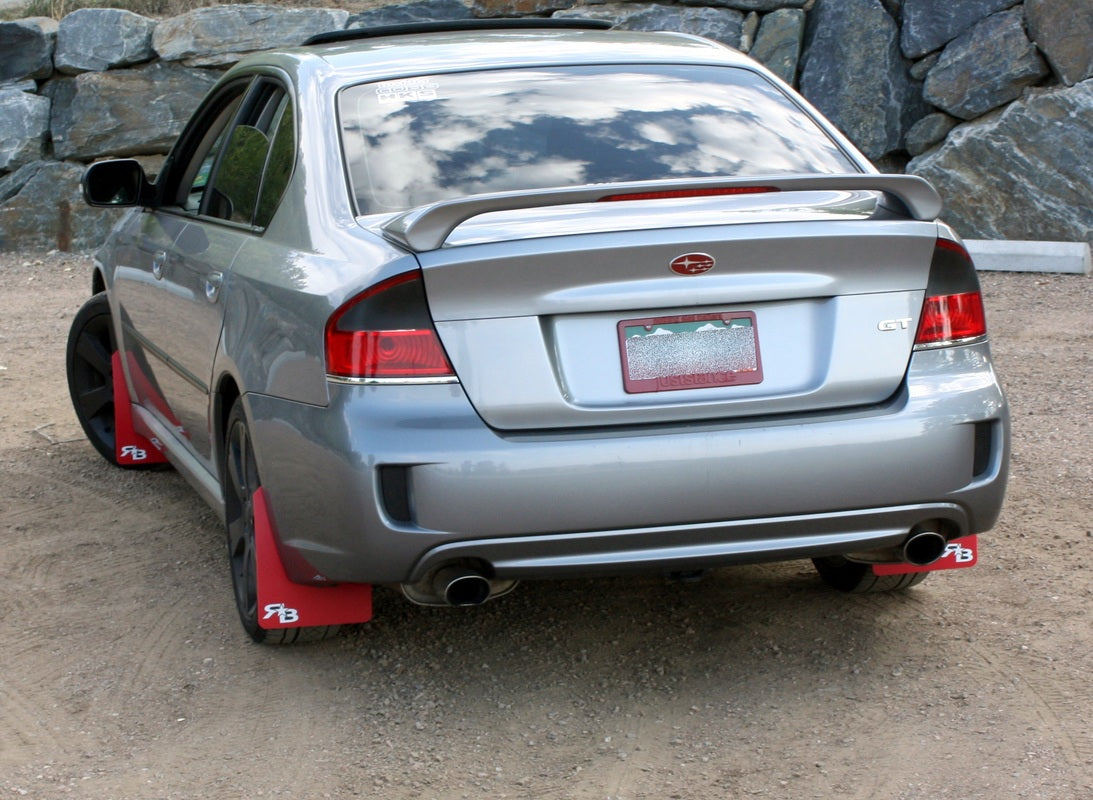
<point>124,672</point>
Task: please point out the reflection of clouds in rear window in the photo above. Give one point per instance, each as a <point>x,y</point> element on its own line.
<point>417,141</point>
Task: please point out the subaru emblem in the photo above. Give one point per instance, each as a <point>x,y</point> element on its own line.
<point>692,264</point>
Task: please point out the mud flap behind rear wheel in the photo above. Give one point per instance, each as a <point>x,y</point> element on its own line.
<point>284,604</point>
<point>131,449</point>
<point>959,553</point>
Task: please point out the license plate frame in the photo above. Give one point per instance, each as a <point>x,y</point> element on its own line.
<point>706,351</point>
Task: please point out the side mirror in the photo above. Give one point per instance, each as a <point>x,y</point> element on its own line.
<point>116,184</point>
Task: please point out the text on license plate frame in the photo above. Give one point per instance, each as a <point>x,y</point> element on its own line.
<point>692,358</point>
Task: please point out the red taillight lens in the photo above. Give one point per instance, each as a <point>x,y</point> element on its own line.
<point>385,354</point>
<point>953,309</point>
<point>950,318</point>
<point>386,332</point>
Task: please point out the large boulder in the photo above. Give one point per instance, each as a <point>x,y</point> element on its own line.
<point>721,24</point>
<point>1065,37</point>
<point>221,35</point>
<point>929,24</point>
<point>749,5</point>
<point>778,42</point>
<point>421,11</point>
<point>516,8</point>
<point>985,68</point>
<point>124,112</point>
<point>26,48</point>
<point>24,123</point>
<point>928,131</point>
<point>41,206</point>
<point>853,72</point>
<point>1018,173</point>
<point>95,39</point>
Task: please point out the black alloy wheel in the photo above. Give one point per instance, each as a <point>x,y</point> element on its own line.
<point>89,367</point>
<point>240,478</point>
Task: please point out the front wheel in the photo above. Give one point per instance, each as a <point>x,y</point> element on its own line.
<point>240,475</point>
<point>853,576</point>
<point>90,371</point>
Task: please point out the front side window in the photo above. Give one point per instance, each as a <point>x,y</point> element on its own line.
<point>188,180</point>
<point>421,140</point>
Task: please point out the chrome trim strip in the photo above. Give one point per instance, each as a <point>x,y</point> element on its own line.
<point>950,343</point>
<point>392,381</point>
<point>693,546</point>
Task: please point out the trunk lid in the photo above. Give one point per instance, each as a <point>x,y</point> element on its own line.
<point>551,317</point>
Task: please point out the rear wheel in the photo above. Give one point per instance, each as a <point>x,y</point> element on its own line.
<point>853,576</point>
<point>240,473</point>
<point>89,367</point>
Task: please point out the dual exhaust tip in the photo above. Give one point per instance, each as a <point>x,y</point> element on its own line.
<point>462,586</point>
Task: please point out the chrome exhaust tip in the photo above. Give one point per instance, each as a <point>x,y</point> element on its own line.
<point>461,587</point>
<point>923,548</point>
<point>456,585</point>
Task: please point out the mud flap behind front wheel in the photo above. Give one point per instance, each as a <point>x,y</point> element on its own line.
<point>131,449</point>
<point>284,604</point>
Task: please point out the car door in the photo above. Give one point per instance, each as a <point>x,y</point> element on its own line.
<point>171,295</point>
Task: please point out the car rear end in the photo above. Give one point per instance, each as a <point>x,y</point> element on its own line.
<point>734,344</point>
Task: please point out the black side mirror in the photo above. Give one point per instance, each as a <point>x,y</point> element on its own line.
<point>117,183</point>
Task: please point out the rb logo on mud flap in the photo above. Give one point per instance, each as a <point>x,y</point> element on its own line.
<point>284,614</point>
<point>133,452</point>
<point>961,554</point>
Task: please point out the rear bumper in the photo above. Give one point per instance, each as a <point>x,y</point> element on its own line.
<point>387,483</point>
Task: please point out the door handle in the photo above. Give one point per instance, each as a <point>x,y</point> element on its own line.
<point>159,260</point>
<point>213,282</point>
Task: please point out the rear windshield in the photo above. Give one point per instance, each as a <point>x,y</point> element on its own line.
<point>420,140</point>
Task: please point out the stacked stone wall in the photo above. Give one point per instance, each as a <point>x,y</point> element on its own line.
<point>991,100</point>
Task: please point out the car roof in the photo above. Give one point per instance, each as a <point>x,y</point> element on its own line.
<point>424,53</point>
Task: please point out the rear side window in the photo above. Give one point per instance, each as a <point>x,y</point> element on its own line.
<point>421,140</point>
<point>257,160</point>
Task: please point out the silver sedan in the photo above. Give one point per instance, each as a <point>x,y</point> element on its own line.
<point>453,305</point>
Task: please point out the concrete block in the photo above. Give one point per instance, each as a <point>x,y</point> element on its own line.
<point>1025,256</point>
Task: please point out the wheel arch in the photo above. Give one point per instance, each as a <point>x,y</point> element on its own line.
<point>226,394</point>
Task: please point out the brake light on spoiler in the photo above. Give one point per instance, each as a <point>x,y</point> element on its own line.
<point>683,193</point>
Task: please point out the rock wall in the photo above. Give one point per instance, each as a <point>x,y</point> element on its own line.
<point>992,100</point>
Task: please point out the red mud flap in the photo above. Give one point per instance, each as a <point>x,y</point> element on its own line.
<point>959,553</point>
<point>284,604</point>
<point>131,449</point>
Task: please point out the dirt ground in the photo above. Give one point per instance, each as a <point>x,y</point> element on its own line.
<point>124,672</point>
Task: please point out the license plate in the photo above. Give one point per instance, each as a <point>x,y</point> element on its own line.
<point>698,351</point>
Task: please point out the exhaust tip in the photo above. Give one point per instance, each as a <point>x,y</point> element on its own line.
<point>462,587</point>
<point>457,584</point>
<point>924,547</point>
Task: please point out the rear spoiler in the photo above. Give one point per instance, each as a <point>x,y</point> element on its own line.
<point>428,227</point>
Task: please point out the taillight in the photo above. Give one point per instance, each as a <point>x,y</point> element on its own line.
<point>953,309</point>
<point>385,334</point>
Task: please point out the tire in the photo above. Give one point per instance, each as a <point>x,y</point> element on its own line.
<point>90,373</point>
<point>852,576</point>
<point>239,472</point>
